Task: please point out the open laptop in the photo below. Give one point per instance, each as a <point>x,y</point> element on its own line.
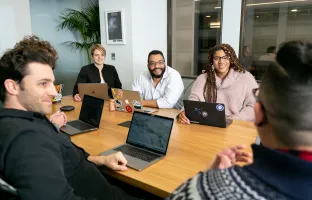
<point>99,90</point>
<point>147,140</point>
<point>89,118</point>
<point>211,114</point>
<point>129,101</point>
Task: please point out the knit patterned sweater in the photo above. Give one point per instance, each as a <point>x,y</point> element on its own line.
<point>235,92</point>
<point>273,176</point>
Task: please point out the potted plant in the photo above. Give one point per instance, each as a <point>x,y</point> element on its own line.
<point>85,23</point>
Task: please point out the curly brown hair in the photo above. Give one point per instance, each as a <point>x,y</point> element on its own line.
<point>210,91</point>
<point>14,62</point>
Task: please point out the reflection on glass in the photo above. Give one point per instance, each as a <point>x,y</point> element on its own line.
<point>267,25</point>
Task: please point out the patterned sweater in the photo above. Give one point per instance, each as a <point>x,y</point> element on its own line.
<point>235,92</point>
<point>273,176</point>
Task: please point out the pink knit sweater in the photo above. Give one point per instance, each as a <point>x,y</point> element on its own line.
<point>235,92</point>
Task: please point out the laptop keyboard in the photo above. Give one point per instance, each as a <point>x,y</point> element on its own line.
<point>137,153</point>
<point>80,125</point>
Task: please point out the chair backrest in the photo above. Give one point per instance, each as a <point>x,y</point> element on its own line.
<point>7,192</point>
<point>260,68</point>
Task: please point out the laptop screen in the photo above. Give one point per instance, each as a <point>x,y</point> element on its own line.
<point>91,110</point>
<point>150,131</point>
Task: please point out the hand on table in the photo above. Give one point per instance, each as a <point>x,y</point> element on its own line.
<point>59,118</point>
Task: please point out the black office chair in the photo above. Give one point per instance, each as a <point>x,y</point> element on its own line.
<point>7,192</point>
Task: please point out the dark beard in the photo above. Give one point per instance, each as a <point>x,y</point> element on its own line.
<point>155,75</point>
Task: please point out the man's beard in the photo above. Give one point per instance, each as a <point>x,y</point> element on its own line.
<point>155,75</point>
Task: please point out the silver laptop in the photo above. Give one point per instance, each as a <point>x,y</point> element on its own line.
<point>89,118</point>
<point>147,140</point>
<point>129,101</point>
<point>99,90</point>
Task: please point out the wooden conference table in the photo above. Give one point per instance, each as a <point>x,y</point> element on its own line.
<point>191,148</point>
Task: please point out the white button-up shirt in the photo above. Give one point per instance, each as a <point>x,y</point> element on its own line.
<point>168,92</point>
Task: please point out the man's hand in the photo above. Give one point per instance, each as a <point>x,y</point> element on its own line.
<point>114,161</point>
<point>77,97</point>
<point>228,157</point>
<point>112,105</point>
<point>183,119</point>
<point>59,118</point>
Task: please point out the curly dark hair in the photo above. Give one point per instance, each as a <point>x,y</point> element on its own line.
<point>14,62</point>
<point>210,91</point>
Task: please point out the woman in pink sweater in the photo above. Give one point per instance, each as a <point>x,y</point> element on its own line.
<point>227,82</point>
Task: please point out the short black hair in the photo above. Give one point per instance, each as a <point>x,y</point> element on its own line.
<point>286,94</point>
<point>271,49</point>
<point>155,52</point>
<point>14,62</point>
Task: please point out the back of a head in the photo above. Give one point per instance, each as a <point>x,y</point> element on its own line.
<point>286,93</point>
<point>14,62</point>
<point>271,49</point>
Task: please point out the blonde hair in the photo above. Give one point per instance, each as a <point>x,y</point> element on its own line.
<point>98,47</point>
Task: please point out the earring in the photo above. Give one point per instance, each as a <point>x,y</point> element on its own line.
<point>212,67</point>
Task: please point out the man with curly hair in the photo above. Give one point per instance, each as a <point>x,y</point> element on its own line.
<point>34,158</point>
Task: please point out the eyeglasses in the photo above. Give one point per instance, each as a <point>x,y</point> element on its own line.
<point>152,63</point>
<point>218,58</point>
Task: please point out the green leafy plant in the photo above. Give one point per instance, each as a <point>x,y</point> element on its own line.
<point>86,24</point>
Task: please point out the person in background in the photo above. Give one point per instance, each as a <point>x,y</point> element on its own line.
<point>97,72</point>
<point>227,82</point>
<point>246,58</point>
<point>282,165</point>
<point>160,86</point>
<point>38,161</point>
<point>270,55</point>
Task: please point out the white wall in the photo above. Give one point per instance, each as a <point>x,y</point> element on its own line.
<point>149,31</point>
<point>123,53</point>
<point>145,30</point>
<point>15,22</point>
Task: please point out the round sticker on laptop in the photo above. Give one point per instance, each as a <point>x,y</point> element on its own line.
<point>129,109</point>
<point>220,107</point>
<point>204,114</point>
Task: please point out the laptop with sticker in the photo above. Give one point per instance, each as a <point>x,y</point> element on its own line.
<point>211,114</point>
<point>129,101</point>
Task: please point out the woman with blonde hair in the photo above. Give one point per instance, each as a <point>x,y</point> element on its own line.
<point>227,82</point>
<point>97,72</point>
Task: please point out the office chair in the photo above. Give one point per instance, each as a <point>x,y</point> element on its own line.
<point>7,192</point>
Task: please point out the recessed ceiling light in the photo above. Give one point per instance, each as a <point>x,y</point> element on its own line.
<point>294,10</point>
<point>257,16</point>
<point>217,7</point>
<point>208,16</point>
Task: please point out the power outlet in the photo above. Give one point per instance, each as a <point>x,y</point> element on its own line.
<point>113,56</point>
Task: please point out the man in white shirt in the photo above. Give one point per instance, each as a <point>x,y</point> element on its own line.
<point>160,86</point>
<point>270,55</point>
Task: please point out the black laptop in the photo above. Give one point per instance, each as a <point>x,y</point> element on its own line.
<point>89,118</point>
<point>211,114</point>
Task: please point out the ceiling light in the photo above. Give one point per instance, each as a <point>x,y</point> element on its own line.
<point>217,7</point>
<point>277,2</point>
<point>257,16</point>
<point>208,16</point>
<point>214,23</point>
<point>294,10</point>
<point>214,26</point>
